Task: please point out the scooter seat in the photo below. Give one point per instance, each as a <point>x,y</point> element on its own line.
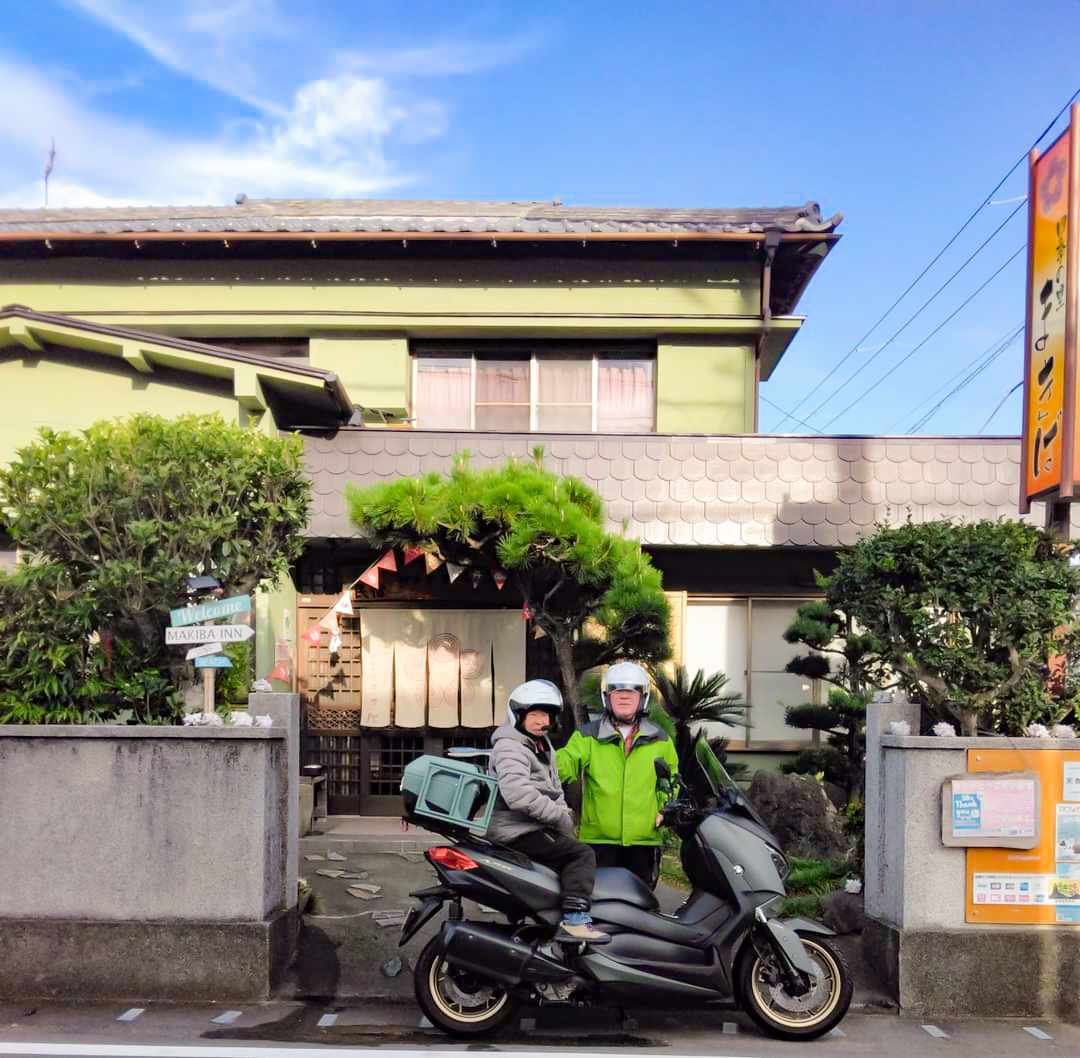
<point>616,883</point>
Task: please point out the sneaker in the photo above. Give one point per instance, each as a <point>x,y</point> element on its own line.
<point>580,933</point>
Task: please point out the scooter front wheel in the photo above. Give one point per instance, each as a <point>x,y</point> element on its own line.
<point>788,1017</point>
<point>456,1001</point>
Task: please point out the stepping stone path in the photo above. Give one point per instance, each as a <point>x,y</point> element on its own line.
<point>336,856</point>
<point>315,858</point>
<point>330,874</point>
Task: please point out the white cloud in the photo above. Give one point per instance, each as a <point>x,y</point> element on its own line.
<point>332,141</point>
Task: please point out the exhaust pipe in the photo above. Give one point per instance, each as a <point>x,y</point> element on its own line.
<point>492,953</point>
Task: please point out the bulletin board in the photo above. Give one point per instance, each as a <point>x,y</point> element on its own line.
<point>1040,885</point>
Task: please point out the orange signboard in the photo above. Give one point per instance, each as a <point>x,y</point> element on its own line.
<point>1041,884</point>
<point>1049,375</point>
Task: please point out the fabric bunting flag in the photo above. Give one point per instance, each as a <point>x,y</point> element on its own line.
<point>454,571</point>
<point>526,613</point>
<point>431,562</point>
<point>411,555</point>
<point>538,633</point>
<point>370,577</point>
<point>344,605</point>
<point>388,562</point>
<point>477,577</point>
<point>279,672</point>
<point>330,622</point>
<point>313,635</point>
<point>500,579</point>
<point>335,643</point>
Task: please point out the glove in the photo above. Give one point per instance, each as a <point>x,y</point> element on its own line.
<point>566,825</point>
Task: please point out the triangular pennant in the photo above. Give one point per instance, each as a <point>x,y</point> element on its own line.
<point>431,562</point>
<point>314,635</point>
<point>279,672</point>
<point>411,555</point>
<point>454,571</point>
<point>500,579</point>
<point>344,605</point>
<point>388,561</point>
<point>370,577</point>
<point>330,622</point>
<point>477,577</point>
<point>538,633</point>
<point>526,613</point>
<point>335,643</point>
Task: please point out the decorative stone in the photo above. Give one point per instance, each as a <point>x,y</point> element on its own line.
<point>392,967</point>
<point>315,858</point>
<point>330,874</point>
<point>843,912</point>
<point>798,811</point>
<point>336,857</point>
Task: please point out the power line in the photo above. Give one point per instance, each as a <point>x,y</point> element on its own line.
<point>1001,404</point>
<point>948,382</point>
<point>974,374</point>
<point>937,257</point>
<point>915,315</point>
<point>787,414</point>
<point>903,360</point>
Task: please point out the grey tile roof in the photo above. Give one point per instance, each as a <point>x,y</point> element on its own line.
<point>748,491</point>
<point>415,217</point>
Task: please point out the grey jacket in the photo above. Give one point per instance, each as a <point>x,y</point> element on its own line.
<point>530,794</point>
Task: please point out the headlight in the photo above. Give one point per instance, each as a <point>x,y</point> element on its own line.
<point>782,866</point>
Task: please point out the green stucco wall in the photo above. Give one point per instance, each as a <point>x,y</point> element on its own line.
<point>704,385</point>
<point>275,618</point>
<point>71,392</point>
<point>374,368</point>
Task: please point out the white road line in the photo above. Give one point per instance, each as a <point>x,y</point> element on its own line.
<point>933,1030</point>
<point>327,1020</point>
<point>228,1017</point>
<point>132,1014</point>
<point>112,1050</point>
<point>1037,1033</point>
<point>730,1028</point>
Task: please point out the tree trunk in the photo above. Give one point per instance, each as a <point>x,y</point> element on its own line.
<point>969,722</point>
<point>564,654</point>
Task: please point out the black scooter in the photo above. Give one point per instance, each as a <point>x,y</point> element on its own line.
<point>723,946</point>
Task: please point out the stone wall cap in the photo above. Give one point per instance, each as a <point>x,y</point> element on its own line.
<point>987,742</point>
<point>149,731</point>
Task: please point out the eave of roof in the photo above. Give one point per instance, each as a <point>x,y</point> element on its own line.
<point>142,350</point>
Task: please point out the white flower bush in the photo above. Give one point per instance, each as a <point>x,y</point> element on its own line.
<point>1063,731</point>
<point>899,727</point>
<point>204,720</point>
<point>853,885</point>
<point>1037,731</point>
<point>944,730</point>
<point>240,718</point>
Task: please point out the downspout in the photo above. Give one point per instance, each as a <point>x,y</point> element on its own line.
<point>772,241</point>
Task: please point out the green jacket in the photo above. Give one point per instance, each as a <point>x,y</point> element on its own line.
<point>619,798</point>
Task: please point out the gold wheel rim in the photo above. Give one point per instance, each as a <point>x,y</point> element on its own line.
<point>454,1011</point>
<point>787,1020</point>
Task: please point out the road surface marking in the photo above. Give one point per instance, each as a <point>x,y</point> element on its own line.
<point>228,1017</point>
<point>730,1028</point>
<point>1037,1033</point>
<point>132,1014</point>
<point>327,1020</point>
<point>933,1030</point>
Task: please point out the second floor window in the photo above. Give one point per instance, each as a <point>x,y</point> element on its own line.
<point>556,392</point>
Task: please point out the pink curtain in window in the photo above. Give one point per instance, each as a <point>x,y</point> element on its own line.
<point>626,396</point>
<point>443,394</point>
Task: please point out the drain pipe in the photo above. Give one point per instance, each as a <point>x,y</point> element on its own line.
<point>772,242</point>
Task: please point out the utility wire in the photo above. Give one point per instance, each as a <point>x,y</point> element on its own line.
<point>948,382</point>
<point>915,315</point>
<point>903,360</point>
<point>937,257</point>
<point>1001,404</point>
<point>972,375</point>
<point>787,414</point>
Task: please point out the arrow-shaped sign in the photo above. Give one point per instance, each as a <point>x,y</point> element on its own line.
<point>208,634</point>
<point>214,661</point>
<point>203,651</point>
<point>209,611</point>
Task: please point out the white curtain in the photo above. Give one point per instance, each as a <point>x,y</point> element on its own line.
<point>443,393</point>
<point>626,396</point>
<point>564,394</point>
<point>502,395</point>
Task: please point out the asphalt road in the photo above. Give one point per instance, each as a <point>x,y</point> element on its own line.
<point>298,1030</point>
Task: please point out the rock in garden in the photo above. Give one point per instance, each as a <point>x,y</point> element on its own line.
<point>358,875</point>
<point>392,967</point>
<point>843,912</point>
<point>335,856</point>
<point>330,874</point>
<point>798,811</point>
<point>361,894</point>
<point>315,858</point>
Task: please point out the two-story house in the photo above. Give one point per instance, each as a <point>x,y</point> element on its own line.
<point>629,343</point>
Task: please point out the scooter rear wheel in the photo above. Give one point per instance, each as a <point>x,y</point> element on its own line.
<point>789,1017</point>
<point>459,1003</point>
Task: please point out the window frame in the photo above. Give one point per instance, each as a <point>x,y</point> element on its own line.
<point>534,354</point>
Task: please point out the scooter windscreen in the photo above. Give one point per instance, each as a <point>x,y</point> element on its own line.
<point>724,788</point>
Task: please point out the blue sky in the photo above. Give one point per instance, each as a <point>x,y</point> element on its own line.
<point>902,116</point>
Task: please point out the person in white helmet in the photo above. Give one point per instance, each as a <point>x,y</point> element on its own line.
<point>614,759</point>
<point>531,814</point>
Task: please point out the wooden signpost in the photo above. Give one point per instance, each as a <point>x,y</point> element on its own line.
<point>207,654</point>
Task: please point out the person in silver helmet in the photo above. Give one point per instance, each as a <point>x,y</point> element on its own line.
<point>614,757</point>
<point>531,814</point>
